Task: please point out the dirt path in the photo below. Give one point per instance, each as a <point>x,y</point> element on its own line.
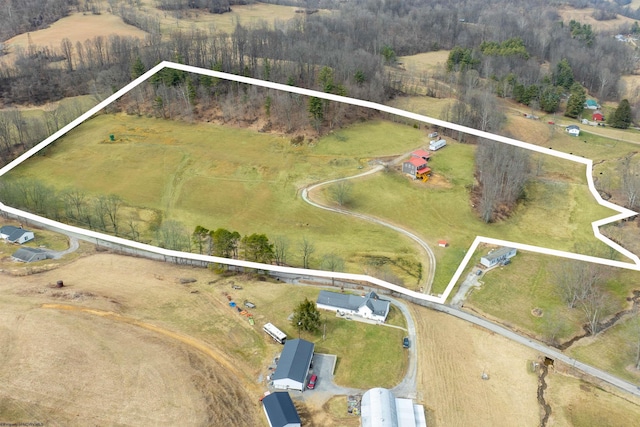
<point>191,342</point>
<point>431,270</point>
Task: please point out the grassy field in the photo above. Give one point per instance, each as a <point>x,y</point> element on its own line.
<point>226,177</point>
<point>77,27</point>
<point>614,350</point>
<point>584,16</point>
<point>575,403</point>
<point>436,209</point>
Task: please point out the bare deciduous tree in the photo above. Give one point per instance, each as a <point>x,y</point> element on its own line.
<point>280,250</point>
<point>341,192</point>
<point>306,249</point>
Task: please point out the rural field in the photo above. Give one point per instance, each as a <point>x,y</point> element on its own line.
<point>193,359</point>
<point>196,361</point>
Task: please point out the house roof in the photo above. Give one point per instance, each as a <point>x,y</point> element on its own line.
<point>498,253</point>
<point>591,102</point>
<point>27,254</point>
<point>425,169</point>
<point>417,162</point>
<point>570,127</point>
<point>280,409</point>
<point>294,360</point>
<point>354,302</point>
<point>421,154</point>
<point>13,233</point>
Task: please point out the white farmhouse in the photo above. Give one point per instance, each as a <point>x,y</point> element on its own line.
<point>15,234</point>
<point>369,306</point>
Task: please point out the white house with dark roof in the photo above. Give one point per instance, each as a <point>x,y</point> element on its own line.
<point>498,256</point>
<point>369,306</point>
<point>280,410</point>
<point>14,234</point>
<point>293,366</point>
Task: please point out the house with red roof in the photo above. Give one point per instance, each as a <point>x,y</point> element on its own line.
<point>421,154</point>
<point>416,167</point>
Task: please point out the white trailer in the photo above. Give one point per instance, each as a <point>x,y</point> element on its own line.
<point>275,333</point>
<point>437,144</point>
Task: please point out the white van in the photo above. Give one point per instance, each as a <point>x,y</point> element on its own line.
<point>437,144</point>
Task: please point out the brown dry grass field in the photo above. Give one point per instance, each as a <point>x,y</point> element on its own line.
<point>77,27</point>
<point>124,343</point>
<point>584,17</point>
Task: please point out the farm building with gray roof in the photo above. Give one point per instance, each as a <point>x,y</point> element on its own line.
<point>293,366</point>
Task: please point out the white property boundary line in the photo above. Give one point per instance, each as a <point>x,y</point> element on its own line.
<point>622,212</point>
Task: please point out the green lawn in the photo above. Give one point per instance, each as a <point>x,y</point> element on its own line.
<point>368,355</point>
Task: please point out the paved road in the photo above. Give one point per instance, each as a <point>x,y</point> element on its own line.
<point>408,385</point>
<point>432,259</point>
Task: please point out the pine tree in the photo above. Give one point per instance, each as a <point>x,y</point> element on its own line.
<point>306,316</point>
<point>575,104</point>
<point>137,68</point>
<point>622,116</point>
<point>563,76</point>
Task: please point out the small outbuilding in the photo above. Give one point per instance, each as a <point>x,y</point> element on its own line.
<point>369,306</point>
<point>280,410</point>
<point>13,234</point>
<point>293,366</point>
<point>498,256</point>
<point>421,154</point>
<point>29,255</point>
<point>597,116</point>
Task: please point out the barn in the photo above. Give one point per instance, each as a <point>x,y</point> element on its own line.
<point>14,234</point>
<point>498,256</point>
<point>597,116</point>
<point>369,306</point>
<point>280,410</point>
<point>29,255</point>
<point>293,366</point>
<point>379,408</point>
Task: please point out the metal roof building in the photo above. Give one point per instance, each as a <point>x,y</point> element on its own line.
<point>369,306</point>
<point>379,408</point>
<point>293,366</point>
<point>280,411</point>
<point>29,255</point>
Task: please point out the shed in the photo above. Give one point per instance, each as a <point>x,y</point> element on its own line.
<point>597,116</point>
<point>280,410</point>
<point>421,154</point>
<point>443,243</point>
<point>293,366</point>
<point>369,306</point>
<point>14,234</point>
<point>498,256</point>
<point>29,255</point>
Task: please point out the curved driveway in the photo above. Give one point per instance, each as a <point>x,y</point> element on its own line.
<point>432,259</point>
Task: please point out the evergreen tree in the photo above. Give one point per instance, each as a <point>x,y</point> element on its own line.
<point>306,316</point>
<point>575,104</point>
<point>137,68</point>
<point>563,75</point>
<point>621,118</point>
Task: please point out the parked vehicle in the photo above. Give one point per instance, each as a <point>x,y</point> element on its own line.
<point>405,342</point>
<point>312,382</point>
<point>249,304</point>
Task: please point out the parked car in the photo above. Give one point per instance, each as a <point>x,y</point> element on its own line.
<point>312,382</point>
<point>249,304</point>
<point>405,342</point>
